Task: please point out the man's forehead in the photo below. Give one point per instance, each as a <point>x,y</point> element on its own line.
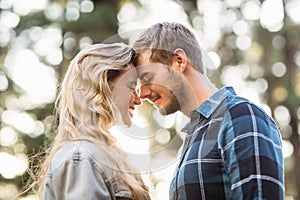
<point>144,57</point>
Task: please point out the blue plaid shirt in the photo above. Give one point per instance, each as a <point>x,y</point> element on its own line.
<point>232,150</point>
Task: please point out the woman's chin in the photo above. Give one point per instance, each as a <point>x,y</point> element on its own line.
<point>127,122</point>
<point>127,118</point>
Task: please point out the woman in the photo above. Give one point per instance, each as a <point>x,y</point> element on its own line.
<point>84,161</point>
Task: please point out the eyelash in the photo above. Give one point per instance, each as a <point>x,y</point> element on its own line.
<point>146,79</point>
<point>132,88</point>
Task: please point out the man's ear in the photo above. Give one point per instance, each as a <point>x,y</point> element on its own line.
<point>180,59</point>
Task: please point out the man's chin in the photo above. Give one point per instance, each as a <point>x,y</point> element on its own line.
<point>164,111</point>
<point>161,109</point>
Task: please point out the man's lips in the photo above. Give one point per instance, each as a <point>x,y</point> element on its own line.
<point>154,100</point>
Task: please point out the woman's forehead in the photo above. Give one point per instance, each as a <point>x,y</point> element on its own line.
<point>128,75</point>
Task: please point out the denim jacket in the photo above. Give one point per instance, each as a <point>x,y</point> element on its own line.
<point>78,171</point>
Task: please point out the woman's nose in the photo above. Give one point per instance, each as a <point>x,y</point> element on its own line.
<point>137,99</point>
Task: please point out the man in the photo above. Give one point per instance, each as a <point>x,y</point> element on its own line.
<point>233,148</point>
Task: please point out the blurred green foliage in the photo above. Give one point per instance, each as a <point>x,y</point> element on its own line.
<point>267,48</point>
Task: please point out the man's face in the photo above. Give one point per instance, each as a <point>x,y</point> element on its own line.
<point>160,84</point>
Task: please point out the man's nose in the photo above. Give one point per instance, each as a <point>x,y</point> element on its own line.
<point>144,91</point>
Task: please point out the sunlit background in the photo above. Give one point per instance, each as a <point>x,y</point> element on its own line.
<point>252,45</point>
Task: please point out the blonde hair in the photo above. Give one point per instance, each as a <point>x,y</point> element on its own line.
<point>162,39</point>
<point>87,110</point>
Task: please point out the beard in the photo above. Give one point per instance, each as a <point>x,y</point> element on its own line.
<point>176,95</point>
<point>172,107</point>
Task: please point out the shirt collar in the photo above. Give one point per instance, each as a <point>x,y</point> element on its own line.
<point>211,104</point>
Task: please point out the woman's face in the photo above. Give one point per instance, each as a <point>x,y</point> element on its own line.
<point>124,92</point>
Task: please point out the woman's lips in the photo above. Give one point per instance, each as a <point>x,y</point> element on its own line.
<point>131,109</point>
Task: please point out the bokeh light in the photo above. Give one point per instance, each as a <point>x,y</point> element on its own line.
<point>278,69</point>
<point>282,115</point>
<point>296,57</point>
<point>12,165</point>
<point>213,61</point>
<point>86,6</point>
<point>8,191</point>
<point>272,15</point>
<point>8,136</point>
<point>251,10</point>
<point>23,122</point>
<point>292,8</point>
<point>9,19</point>
<point>31,75</point>
<point>243,42</point>
<point>279,42</point>
<point>261,85</point>
<point>72,11</point>
<point>243,57</point>
<point>280,93</point>
<point>241,27</point>
<point>3,82</point>
<point>163,137</point>
<point>53,11</point>
<point>287,148</point>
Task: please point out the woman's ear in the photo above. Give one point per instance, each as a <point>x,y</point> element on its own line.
<point>180,60</point>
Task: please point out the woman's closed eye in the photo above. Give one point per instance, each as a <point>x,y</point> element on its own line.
<point>132,87</point>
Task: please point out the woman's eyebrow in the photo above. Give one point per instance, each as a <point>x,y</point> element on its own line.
<point>132,82</point>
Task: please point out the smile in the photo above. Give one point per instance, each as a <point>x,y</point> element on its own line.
<point>154,99</point>
<point>130,110</point>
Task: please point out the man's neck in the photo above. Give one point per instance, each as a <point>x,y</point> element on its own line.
<point>199,89</point>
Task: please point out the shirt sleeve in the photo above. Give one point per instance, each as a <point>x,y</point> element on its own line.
<point>76,180</point>
<point>252,151</point>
